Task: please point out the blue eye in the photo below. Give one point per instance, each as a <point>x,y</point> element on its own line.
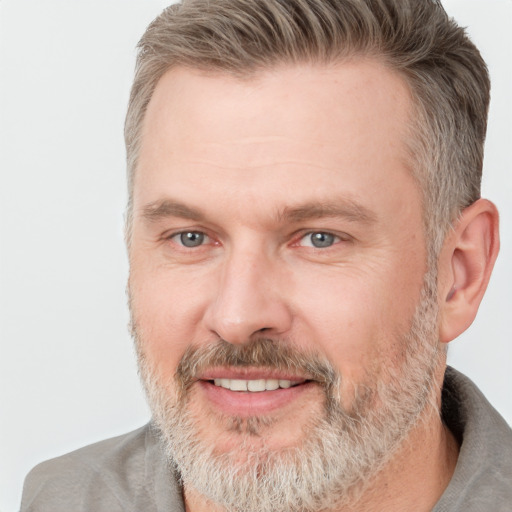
<point>191,238</point>
<point>319,240</point>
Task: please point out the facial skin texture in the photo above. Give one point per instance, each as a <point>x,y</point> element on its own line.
<point>252,169</point>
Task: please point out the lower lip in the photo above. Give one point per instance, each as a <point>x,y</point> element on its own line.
<point>245,403</point>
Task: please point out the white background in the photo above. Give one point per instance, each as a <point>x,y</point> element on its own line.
<point>67,371</point>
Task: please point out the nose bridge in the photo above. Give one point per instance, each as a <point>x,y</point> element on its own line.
<point>248,299</point>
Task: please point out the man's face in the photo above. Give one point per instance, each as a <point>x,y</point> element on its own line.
<point>279,211</point>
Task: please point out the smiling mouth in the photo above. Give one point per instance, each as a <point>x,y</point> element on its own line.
<point>243,393</point>
<point>256,385</point>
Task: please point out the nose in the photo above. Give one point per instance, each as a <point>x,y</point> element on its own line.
<point>249,300</point>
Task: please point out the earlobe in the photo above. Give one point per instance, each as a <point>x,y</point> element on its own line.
<point>465,267</point>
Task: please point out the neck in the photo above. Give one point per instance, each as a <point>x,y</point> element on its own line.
<point>414,479</point>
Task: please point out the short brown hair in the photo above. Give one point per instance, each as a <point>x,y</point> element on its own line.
<point>445,72</point>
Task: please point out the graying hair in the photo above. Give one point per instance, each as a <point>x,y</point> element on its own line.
<point>445,72</point>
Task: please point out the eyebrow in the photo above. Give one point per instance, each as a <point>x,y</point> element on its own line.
<point>153,212</point>
<point>342,208</point>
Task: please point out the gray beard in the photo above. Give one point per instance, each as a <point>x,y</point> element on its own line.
<point>341,452</point>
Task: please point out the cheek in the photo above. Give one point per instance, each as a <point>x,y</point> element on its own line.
<point>356,317</point>
<point>344,326</point>
<point>167,312</point>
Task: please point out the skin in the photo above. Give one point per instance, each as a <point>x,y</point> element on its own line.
<point>257,166</point>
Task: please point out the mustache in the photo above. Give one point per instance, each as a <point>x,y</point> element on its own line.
<point>258,353</point>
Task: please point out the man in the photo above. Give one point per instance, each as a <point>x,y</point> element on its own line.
<point>306,235</point>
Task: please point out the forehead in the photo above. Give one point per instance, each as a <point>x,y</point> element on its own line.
<point>311,126</point>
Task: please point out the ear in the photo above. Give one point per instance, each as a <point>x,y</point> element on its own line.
<point>465,265</point>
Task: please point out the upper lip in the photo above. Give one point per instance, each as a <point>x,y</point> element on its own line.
<point>250,374</point>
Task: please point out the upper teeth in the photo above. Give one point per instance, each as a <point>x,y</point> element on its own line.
<point>253,385</point>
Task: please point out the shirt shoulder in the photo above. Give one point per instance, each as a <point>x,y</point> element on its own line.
<point>107,476</point>
<point>483,476</point>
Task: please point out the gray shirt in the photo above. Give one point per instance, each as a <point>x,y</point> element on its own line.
<point>130,472</point>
